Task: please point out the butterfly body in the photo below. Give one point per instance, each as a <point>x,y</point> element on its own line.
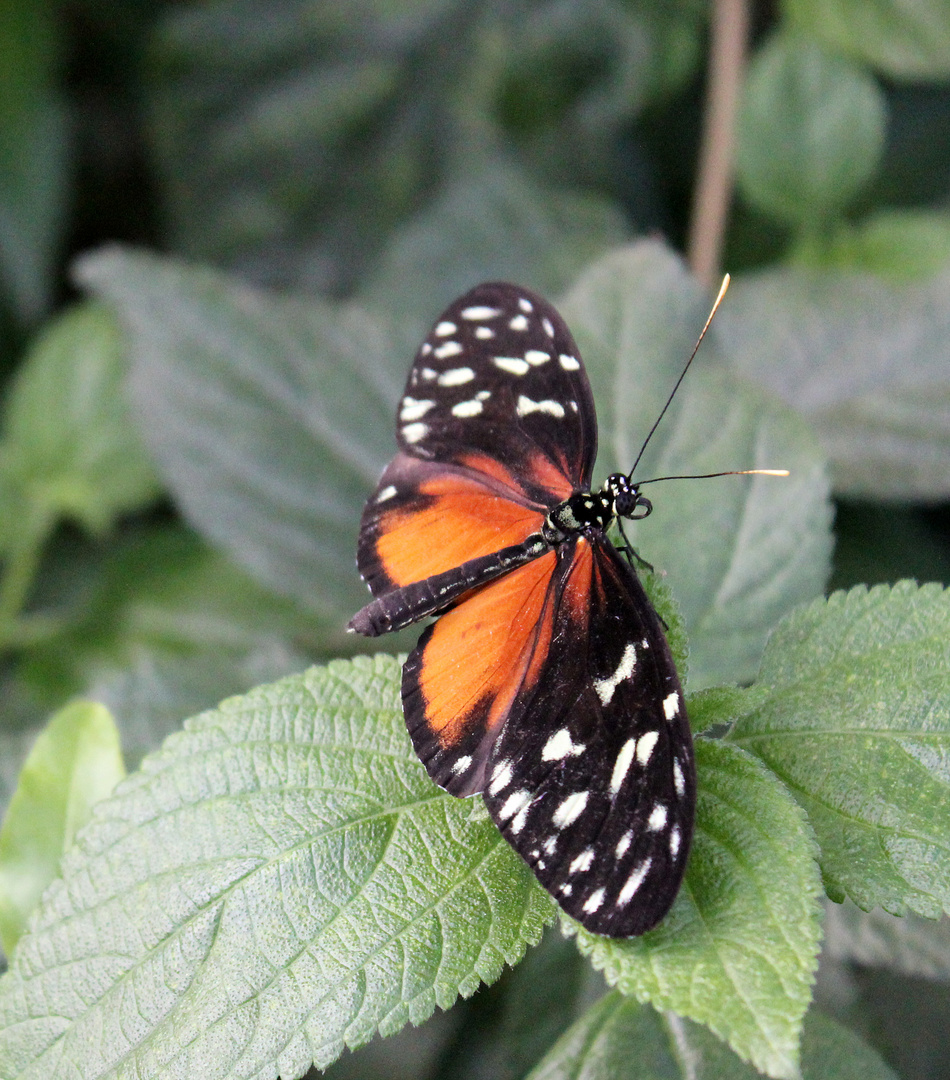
<point>546,682</point>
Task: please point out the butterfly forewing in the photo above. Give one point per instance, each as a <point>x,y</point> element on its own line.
<point>496,426</point>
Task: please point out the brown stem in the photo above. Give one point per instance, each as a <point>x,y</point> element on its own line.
<point>729,37</point>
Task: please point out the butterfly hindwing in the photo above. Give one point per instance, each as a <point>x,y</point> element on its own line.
<point>592,778</point>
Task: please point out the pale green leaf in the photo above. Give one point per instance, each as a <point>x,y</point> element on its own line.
<point>909,41</point>
<point>281,881</point>
<point>896,245</point>
<point>68,441</point>
<point>739,948</point>
<point>75,762</point>
<point>810,132</point>
<point>857,725</point>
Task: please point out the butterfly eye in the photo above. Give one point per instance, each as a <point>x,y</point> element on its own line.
<point>628,502</point>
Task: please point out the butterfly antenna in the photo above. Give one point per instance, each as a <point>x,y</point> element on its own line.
<point>710,475</point>
<point>692,356</point>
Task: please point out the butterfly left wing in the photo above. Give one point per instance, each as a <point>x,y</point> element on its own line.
<point>591,779</point>
<point>496,425</point>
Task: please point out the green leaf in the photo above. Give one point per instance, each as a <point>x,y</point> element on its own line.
<point>909,945</point>
<point>617,1032</point>
<point>896,245</point>
<point>491,223</point>
<point>34,155</point>
<point>69,442</point>
<point>857,724</point>
<point>269,419</point>
<point>739,948</point>
<point>866,361</point>
<point>282,880</point>
<point>903,40</point>
<point>810,132</point>
<point>738,552</point>
<point>75,763</point>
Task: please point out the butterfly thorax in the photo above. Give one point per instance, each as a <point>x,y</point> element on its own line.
<point>595,509</point>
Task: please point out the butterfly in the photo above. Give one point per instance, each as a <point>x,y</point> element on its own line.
<point>546,682</point>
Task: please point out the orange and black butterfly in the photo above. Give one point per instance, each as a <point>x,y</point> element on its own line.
<point>546,682</point>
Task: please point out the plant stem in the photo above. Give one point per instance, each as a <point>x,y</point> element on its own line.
<point>727,53</point>
<point>19,571</point>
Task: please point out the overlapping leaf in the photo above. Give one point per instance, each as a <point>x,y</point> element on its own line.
<point>857,725</point>
<point>280,881</point>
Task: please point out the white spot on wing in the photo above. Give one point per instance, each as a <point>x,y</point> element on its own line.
<point>426,349</point>
<point>445,328</point>
<point>462,764</point>
<point>483,333</point>
<point>500,777</point>
<point>514,804</point>
<point>548,327</point>
<point>657,818</point>
<point>671,705</point>
<point>519,322</point>
<point>674,841</point>
<point>456,376</point>
<point>593,902</point>
<point>560,746</point>
<point>536,357</point>
<point>512,364</point>
<point>428,373</point>
<point>414,433</point>
<point>549,845</point>
<point>605,687</point>
<point>622,765</point>
<point>566,889</point>
<point>623,844</point>
<point>467,408</point>
<point>633,883</point>
<point>568,362</point>
<point>645,745</point>
<point>414,410</point>
<point>570,809</point>
<point>552,408</point>
<point>450,348</point>
<point>519,823</point>
<point>387,493</point>
<point>679,781</point>
<point>479,311</point>
<point>525,304</point>
<point>582,862</point>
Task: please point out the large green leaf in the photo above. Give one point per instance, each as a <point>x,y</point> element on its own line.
<point>75,762</point>
<point>269,419</point>
<point>903,40</point>
<point>857,724</point>
<point>739,552</point>
<point>867,361</point>
<point>739,948</point>
<point>810,132</point>
<point>618,1038</point>
<point>282,880</point>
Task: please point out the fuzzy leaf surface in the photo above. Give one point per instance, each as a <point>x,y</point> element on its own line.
<point>280,881</point>
<point>857,725</point>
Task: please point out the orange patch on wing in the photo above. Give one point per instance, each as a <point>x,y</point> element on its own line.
<point>487,648</point>
<point>577,591</point>
<point>459,520</point>
<point>539,469</point>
